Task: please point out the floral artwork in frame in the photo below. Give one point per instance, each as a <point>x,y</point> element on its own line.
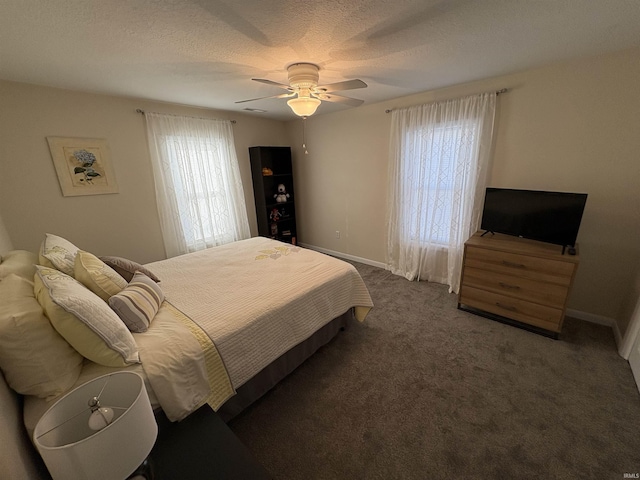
<point>83,166</point>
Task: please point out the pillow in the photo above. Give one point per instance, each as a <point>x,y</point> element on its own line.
<point>58,253</point>
<point>84,319</point>
<point>138,303</point>
<point>97,276</point>
<point>35,359</point>
<point>20,262</point>
<point>126,268</point>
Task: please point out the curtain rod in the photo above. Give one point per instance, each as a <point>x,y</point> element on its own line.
<point>139,110</point>
<point>498,92</point>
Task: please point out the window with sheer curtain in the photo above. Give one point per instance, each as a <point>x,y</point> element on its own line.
<point>438,170</point>
<point>430,212</point>
<point>198,187</point>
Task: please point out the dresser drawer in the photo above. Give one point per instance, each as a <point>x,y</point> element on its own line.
<point>535,291</point>
<point>532,313</point>
<point>524,266</point>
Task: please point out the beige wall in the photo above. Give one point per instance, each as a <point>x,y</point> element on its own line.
<point>124,224</point>
<point>5,239</point>
<point>568,127</point>
<point>630,311</point>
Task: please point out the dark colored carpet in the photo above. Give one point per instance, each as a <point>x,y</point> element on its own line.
<point>421,390</point>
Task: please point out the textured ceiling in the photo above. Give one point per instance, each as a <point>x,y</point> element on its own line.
<point>205,52</point>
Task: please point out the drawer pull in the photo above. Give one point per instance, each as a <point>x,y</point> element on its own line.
<point>508,287</point>
<point>506,307</point>
<point>512,264</point>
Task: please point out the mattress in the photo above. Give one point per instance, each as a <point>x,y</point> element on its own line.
<point>229,312</point>
<point>257,298</point>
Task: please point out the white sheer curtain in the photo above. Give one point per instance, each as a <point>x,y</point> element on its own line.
<point>437,177</point>
<point>197,178</point>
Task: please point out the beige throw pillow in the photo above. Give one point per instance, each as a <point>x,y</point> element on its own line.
<point>35,359</point>
<point>20,262</point>
<point>97,276</point>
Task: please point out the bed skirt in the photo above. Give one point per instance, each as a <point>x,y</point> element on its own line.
<point>273,373</point>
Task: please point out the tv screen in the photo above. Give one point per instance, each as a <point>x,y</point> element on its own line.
<point>552,217</point>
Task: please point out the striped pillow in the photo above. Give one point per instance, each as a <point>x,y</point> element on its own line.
<point>138,303</point>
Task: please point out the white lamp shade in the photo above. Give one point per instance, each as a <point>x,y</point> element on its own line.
<point>304,106</point>
<point>70,449</point>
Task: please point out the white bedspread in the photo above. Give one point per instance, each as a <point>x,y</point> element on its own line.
<point>255,299</point>
<point>174,369</point>
<point>258,298</point>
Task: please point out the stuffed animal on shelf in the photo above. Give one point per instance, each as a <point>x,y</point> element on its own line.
<point>281,195</point>
<point>275,215</point>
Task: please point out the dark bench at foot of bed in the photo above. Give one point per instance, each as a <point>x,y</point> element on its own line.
<point>201,447</point>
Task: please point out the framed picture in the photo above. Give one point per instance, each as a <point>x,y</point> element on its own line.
<point>83,166</point>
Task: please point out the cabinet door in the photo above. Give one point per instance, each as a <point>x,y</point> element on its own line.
<point>634,356</point>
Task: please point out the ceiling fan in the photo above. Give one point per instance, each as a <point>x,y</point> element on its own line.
<point>307,94</point>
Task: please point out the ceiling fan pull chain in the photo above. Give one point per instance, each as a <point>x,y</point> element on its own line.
<point>304,144</point>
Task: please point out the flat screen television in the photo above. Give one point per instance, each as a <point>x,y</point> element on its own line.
<point>552,217</point>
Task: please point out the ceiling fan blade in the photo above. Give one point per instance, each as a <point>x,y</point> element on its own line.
<point>284,95</point>
<point>270,82</point>
<point>330,97</point>
<point>346,85</point>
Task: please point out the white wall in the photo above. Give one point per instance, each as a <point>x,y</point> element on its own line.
<point>124,224</point>
<point>567,127</point>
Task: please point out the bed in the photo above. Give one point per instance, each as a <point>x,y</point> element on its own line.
<point>229,323</point>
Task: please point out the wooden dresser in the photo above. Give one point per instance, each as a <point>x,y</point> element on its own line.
<point>519,281</point>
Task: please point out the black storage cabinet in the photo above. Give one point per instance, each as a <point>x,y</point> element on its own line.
<point>271,167</point>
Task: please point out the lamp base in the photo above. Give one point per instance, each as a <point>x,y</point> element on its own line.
<point>143,472</point>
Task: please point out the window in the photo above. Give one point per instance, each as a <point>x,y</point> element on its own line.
<point>202,198</point>
<point>437,174</point>
<point>198,187</point>
<point>429,174</point>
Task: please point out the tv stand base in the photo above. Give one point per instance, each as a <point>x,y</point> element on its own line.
<point>509,321</point>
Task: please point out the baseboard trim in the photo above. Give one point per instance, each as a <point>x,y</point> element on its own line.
<point>600,320</point>
<point>587,317</point>
<point>346,256</point>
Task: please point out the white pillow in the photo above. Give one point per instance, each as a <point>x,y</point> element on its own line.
<point>58,253</point>
<point>84,319</point>
<point>35,359</point>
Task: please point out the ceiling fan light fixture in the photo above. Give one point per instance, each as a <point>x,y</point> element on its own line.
<point>304,106</point>
<point>303,75</point>
<point>308,95</point>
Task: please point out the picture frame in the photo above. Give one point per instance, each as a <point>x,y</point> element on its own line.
<point>83,166</point>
